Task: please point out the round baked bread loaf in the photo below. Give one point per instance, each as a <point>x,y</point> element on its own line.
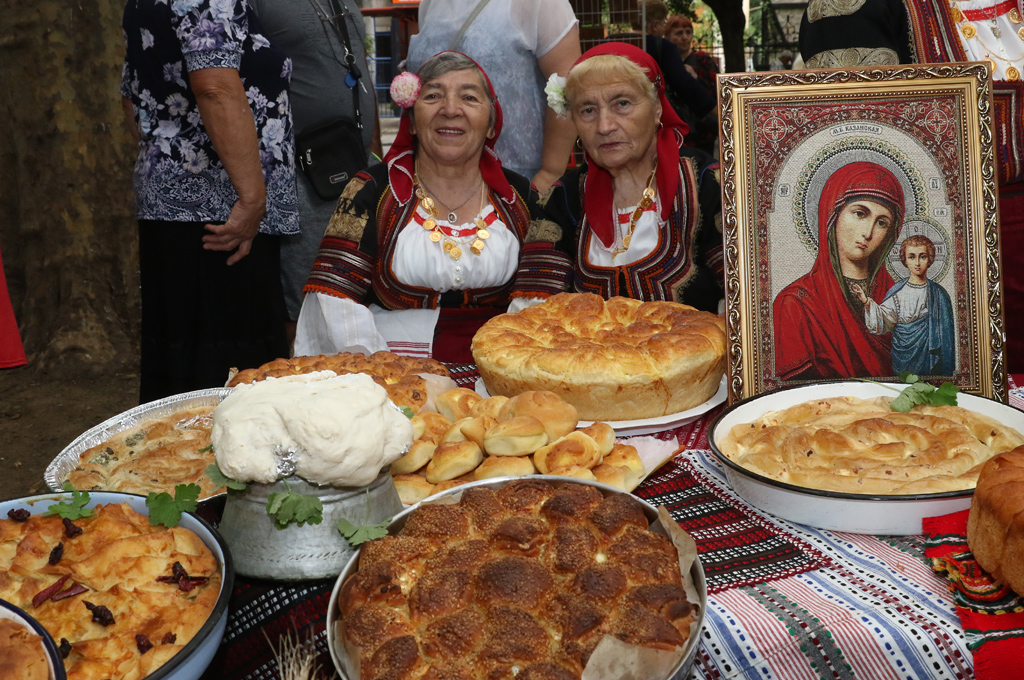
<point>620,359</point>
<point>995,527</point>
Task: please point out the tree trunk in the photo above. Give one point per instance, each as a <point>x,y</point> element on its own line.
<point>68,229</point>
<point>731,22</point>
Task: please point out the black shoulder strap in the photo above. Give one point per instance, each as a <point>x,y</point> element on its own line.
<point>338,20</point>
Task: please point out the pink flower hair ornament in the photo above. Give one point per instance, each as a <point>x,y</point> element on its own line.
<point>405,89</point>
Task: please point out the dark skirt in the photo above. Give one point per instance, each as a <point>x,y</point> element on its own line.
<point>453,335</point>
<point>201,317</point>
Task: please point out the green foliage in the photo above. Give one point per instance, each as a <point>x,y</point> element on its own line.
<point>408,412</point>
<point>919,392</point>
<point>220,479</point>
<point>286,508</point>
<point>73,509</point>
<point>359,534</point>
<point>165,510</point>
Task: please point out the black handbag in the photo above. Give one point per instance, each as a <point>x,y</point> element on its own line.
<point>330,153</point>
<point>331,150</point>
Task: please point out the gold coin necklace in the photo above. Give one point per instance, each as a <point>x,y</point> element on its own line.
<point>439,233</point>
<point>1012,11</point>
<point>646,201</point>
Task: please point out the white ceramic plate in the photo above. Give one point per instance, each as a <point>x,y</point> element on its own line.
<point>632,428</point>
<point>855,513</point>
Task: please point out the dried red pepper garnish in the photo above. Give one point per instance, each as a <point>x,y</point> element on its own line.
<point>56,554</point>
<point>71,529</point>
<point>19,514</point>
<point>100,614</point>
<point>65,648</point>
<point>76,589</point>
<point>169,638</point>
<point>181,577</point>
<point>46,593</point>
<point>143,643</point>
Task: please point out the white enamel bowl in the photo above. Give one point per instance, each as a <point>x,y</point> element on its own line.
<point>855,513</point>
<point>192,660</point>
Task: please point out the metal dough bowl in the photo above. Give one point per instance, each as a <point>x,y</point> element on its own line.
<point>194,657</point>
<point>680,672</point>
<point>895,515</point>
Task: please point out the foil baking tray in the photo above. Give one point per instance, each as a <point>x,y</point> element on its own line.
<point>67,460</point>
<point>892,515</point>
<point>682,669</point>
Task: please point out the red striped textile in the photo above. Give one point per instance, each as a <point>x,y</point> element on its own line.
<point>992,615</point>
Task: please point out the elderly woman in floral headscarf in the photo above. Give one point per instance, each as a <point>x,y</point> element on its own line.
<point>646,212</point>
<point>427,246</point>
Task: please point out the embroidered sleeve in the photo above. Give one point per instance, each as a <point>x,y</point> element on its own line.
<point>543,271</point>
<point>342,268</point>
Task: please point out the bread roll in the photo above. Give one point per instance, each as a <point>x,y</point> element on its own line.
<point>475,429</point>
<point>452,459</point>
<point>619,476</point>
<point>504,466</point>
<point>449,484</point>
<point>515,437</point>
<point>603,434</point>
<point>995,527</point>
<point>491,406</point>
<point>575,448</point>
<point>456,404</point>
<point>454,432</point>
<point>431,426</point>
<point>624,454</point>
<point>559,418</point>
<point>412,488</point>
<point>574,471</point>
<point>419,454</point>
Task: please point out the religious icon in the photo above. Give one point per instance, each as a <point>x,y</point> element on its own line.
<point>860,227</point>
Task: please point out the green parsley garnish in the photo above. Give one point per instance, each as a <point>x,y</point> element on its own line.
<point>290,507</point>
<point>357,535</point>
<point>919,392</point>
<point>407,411</point>
<point>220,479</point>
<point>73,509</point>
<point>166,510</point>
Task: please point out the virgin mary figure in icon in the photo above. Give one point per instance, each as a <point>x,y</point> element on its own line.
<point>819,318</point>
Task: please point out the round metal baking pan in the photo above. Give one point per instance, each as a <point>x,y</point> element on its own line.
<point>67,460</point>
<point>196,655</point>
<point>681,670</point>
<point>850,512</point>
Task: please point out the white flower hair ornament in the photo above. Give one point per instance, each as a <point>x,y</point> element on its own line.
<point>555,90</point>
<point>405,89</point>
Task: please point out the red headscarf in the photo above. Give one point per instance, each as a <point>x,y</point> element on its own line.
<point>400,158</point>
<point>816,332</point>
<point>600,194</point>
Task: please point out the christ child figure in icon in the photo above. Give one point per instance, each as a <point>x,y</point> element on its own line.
<point>918,313</point>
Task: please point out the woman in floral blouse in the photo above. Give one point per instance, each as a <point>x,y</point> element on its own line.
<point>206,96</point>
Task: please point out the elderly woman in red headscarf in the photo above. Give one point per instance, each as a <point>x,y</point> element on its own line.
<point>819,318</point>
<point>427,246</point>
<point>647,212</point>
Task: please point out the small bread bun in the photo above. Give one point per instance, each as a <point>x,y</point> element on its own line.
<point>419,454</point>
<point>624,454</point>
<point>504,466</point>
<point>412,488</point>
<point>454,432</point>
<point>619,476</point>
<point>452,459</point>
<point>603,434</point>
<point>519,436</point>
<point>559,418</point>
<point>575,448</point>
<point>475,429</point>
<point>491,406</point>
<point>455,404</point>
<point>434,426</point>
<point>574,471</point>
<point>444,486</point>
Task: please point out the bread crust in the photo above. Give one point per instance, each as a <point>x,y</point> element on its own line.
<point>620,359</point>
<point>995,526</point>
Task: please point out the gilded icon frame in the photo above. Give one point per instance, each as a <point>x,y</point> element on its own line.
<point>804,156</point>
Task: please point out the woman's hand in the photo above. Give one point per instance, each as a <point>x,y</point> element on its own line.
<point>238,232</point>
<point>228,120</point>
